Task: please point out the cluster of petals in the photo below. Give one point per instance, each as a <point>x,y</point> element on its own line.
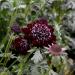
<point>37,33</point>
<point>56,49</point>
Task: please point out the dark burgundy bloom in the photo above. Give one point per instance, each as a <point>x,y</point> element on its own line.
<point>15,28</point>
<point>21,45</point>
<point>40,33</point>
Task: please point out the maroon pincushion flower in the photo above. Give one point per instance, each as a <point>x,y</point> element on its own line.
<point>21,45</point>
<point>40,33</point>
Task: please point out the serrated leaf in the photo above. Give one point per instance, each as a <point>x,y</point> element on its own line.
<point>37,57</point>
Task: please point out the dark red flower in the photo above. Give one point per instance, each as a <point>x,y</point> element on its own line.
<point>21,45</point>
<point>40,33</point>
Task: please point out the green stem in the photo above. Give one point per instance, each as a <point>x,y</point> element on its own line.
<point>23,63</point>
<point>11,65</point>
<point>10,24</point>
<point>57,28</point>
<point>13,16</point>
<point>7,49</point>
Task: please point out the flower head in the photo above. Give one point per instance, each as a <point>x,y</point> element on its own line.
<point>40,33</point>
<point>21,45</point>
<point>55,49</point>
<point>15,28</point>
